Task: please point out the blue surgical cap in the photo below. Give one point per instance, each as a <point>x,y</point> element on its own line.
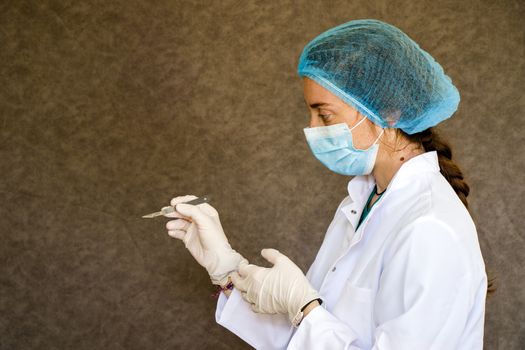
<point>377,69</point>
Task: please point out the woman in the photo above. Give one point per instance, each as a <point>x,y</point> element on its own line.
<point>400,266</point>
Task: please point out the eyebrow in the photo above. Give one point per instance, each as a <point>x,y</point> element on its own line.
<point>318,104</point>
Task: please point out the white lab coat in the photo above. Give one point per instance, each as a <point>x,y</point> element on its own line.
<point>411,277</point>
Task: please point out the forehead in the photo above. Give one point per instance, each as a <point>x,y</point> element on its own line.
<point>315,93</point>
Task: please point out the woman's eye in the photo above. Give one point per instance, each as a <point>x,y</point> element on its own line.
<point>325,116</point>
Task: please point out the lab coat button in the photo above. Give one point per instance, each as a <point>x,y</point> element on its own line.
<point>353,211</point>
<point>333,269</point>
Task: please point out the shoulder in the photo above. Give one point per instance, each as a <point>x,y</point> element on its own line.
<point>428,247</point>
<point>437,223</point>
<point>429,197</point>
<point>433,244</point>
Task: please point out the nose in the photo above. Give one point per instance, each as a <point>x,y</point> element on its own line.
<point>314,122</point>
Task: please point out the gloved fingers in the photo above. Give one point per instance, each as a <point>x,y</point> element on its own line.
<point>177,200</point>
<point>191,211</point>
<point>235,278</point>
<point>243,262</point>
<point>178,225</point>
<point>179,234</point>
<point>175,215</point>
<point>180,199</point>
<point>255,308</point>
<point>248,269</point>
<point>248,298</point>
<point>239,282</point>
<point>205,207</point>
<point>272,255</point>
<point>208,209</point>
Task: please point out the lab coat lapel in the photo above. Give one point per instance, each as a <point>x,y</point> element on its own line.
<point>351,208</point>
<point>358,190</point>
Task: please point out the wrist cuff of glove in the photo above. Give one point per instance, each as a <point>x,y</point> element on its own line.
<point>220,289</point>
<point>222,278</point>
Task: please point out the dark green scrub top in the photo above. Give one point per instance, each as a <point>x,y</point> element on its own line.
<point>366,210</point>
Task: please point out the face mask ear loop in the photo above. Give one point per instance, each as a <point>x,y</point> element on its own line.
<point>353,127</point>
<point>382,131</point>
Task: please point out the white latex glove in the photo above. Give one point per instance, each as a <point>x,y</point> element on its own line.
<point>201,231</point>
<point>282,289</point>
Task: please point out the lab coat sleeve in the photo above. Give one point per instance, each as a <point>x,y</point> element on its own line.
<point>262,331</point>
<point>422,302</point>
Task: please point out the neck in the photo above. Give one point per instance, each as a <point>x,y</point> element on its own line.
<point>387,166</point>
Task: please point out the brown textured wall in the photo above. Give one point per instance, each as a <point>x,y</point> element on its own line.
<point>111,108</point>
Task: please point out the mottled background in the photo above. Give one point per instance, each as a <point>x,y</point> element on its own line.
<point>111,108</point>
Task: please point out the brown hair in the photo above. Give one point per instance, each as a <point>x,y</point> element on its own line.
<point>431,141</point>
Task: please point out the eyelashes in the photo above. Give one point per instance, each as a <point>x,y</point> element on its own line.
<point>325,116</point>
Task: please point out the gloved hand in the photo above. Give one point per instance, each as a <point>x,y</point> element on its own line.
<point>282,288</point>
<point>201,231</point>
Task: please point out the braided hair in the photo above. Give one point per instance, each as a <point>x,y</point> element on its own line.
<point>432,141</point>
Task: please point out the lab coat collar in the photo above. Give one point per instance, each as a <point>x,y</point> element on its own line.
<point>359,187</point>
<point>427,161</point>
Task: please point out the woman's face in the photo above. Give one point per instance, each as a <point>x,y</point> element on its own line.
<point>327,109</point>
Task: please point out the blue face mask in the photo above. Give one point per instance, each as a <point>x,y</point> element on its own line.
<point>332,145</point>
